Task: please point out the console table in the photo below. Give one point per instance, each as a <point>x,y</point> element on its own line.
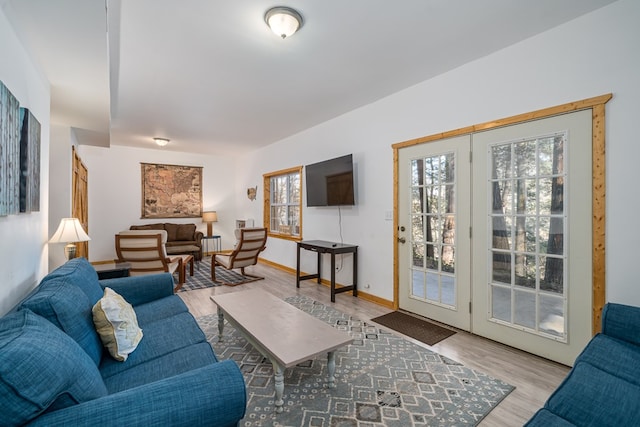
<point>332,248</point>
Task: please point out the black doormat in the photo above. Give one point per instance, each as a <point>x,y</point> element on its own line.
<point>411,326</point>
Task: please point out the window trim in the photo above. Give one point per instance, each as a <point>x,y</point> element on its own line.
<point>266,211</point>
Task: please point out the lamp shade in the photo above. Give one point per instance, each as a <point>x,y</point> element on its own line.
<point>211,216</point>
<point>69,231</point>
<point>283,21</point>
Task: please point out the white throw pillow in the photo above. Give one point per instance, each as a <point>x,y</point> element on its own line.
<point>116,324</point>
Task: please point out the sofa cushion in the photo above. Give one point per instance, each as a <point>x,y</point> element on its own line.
<point>172,231</point>
<point>117,325</point>
<point>81,273</point>
<point>592,397</point>
<point>48,368</point>
<point>161,337</point>
<point>64,304</point>
<point>157,226</point>
<point>159,309</point>
<point>177,362</point>
<point>627,357</point>
<point>186,232</point>
<point>621,321</point>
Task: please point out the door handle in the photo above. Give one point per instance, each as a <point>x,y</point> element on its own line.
<point>402,240</point>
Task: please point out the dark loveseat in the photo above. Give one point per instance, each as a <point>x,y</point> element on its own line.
<point>179,236</point>
<point>603,388</point>
<point>54,370</point>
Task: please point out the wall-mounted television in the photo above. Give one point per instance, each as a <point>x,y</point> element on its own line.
<point>330,183</point>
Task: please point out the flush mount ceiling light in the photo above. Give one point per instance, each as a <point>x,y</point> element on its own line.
<point>283,21</point>
<point>161,141</point>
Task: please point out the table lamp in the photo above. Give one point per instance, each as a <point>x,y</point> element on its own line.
<point>210,217</point>
<point>69,231</point>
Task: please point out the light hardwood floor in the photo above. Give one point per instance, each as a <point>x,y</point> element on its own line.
<point>534,377</point>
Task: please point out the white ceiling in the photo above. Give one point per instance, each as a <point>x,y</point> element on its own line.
<point>211,77</point>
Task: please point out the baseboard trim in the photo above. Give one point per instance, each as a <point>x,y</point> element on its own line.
<point>364,295</point>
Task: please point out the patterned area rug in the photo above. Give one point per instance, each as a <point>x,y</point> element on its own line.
<point>381,380</point>
<point>202,277</point>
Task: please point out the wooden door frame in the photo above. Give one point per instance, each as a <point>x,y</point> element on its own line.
<point>598,190</point>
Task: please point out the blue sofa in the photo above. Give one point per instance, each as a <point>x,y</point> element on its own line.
<point>603,387</point>
<point>55,371</point>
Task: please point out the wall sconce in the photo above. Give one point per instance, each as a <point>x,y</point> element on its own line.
<point>69,231</point>
<point>161,141</point>
<point>210,217</point>
<point>283,21</point>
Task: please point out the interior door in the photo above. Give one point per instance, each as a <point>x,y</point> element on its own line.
<point>532,234</point>
<point>80,200</point>
<point>433,230</point>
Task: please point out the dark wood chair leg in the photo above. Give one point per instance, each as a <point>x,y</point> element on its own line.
<point>213,268</point>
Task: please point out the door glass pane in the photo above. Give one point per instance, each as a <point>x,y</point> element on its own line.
<point>502,198</point>
<point>551,274</point>
<point>501,233</point>
<point>417,250</point>
<point>501,156</point>
<point>525,315</point>
<point>433,287</point>
<point>417,172</point>
<point>418,284</point>
<point>417,228</point>
<point>501,303</point>
<point>525,158</point>
<point>526,219</point>
<point>448,289</point>
<point>433,227</point>
<point>551,315</point>
<point>501,267</point>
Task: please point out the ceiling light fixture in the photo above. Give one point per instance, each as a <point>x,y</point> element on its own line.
<point>283,21</point>
<point>161,141</point>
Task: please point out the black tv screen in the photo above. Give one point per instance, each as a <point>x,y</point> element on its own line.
<point>330,183</point>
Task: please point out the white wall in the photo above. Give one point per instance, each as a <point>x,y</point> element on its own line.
<point>590,56</point>
<point>23,249</point>
<point>59,184</point>
<point>115,192</point>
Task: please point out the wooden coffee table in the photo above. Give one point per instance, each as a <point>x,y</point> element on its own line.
<point>280,332</point>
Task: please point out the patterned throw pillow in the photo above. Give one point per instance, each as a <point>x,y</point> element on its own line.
<point>116,324</point>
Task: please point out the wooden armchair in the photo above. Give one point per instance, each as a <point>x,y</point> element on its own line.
<point>145,251</point>
<point>251,241</point>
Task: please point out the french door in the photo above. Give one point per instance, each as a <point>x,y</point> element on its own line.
<point>501,245</point>
<point>532,264</point>
<point>433,234</point>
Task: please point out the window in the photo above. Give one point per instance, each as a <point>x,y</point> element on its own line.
<point>283,203</point>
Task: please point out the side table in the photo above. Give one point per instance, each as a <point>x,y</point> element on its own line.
<point>112,270</point>
<point>217,243</point>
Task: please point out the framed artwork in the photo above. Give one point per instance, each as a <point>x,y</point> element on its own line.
<point>29,162</point>
<point>9,152</point>
<point>171,191</point>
